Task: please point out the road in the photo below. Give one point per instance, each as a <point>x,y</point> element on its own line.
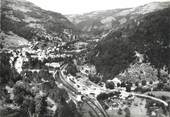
<point>152,98</point>
<point>91,101</point>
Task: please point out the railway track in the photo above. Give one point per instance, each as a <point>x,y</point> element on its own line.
<point>92,103</point>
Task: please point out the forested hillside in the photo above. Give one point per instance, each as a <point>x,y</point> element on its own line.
<point>30,21</point>
<point>149,35</point>
<point>113,63</point>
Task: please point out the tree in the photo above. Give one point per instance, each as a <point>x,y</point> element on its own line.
<point>41,106</point>
<point>72,69</point>
<point>128,88</point>
<point>118,84</point>
<point>5,68</point>
<point>160,86</point>
<point>167,87</point>
<point>63,109</point>
<point>73,108</point>
<point>94,78</point>
<point>127,112</point>
<point>28,107</point>
<point>143,82</point>
<point>110,85</point>
<point>136,84</point>
<point>102,96</point>
<point>31,108</point>
<point>151,82</point>
<point>1,46</point>
<point>19,93</point>
<point>120,111</point>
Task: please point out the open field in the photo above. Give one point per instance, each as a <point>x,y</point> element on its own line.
<point>160,93</point>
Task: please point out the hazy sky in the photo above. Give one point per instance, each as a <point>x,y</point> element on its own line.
<point>83,6</point>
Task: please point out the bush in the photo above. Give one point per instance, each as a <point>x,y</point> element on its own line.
<point>120,111</point>
<point>110,85</point>
<point>118,84</point>
<point>128,88</point>
<point>72,69</point>
<point>136,84</point>
<point>94,78</point>
<point>102,96</point>
<point>123,84</point>
<point>138,89</point>
<point>160,86</point>
<point>167,87</point>
<point>145,89</point>
<point>143,82</point>
<point>151,82</point>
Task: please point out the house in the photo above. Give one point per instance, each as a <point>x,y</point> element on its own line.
<point>87,69</point>
<point>115,81</point>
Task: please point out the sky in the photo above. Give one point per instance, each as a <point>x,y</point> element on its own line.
<point>84,6</point>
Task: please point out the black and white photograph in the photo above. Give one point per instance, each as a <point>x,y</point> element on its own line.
<point>84,58</point>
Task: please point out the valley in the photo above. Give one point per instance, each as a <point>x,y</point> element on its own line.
<point>112,63</point>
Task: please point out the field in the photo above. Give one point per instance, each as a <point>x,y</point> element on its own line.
<point>160,93</point>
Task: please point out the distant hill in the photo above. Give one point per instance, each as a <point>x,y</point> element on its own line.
<point>148,35</point>
<point>27,20</point>
<point>98,22</point>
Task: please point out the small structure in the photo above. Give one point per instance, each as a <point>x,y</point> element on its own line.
<point>80,45</point>
<point>115,81</point>
<point>53,64</point>
<point>87,69</point>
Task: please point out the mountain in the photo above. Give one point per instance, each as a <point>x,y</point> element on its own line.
<point>98,22</point>
<point>27,20</point>
<point>148,35</point>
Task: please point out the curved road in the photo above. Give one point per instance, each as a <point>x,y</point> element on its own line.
<point>92,102</point>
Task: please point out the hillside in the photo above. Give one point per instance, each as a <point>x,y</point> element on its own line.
<point>48,68</point>
<point>12,40</point>
<point>149,35</point>
<point>29,21</point>
<point>99,22</point>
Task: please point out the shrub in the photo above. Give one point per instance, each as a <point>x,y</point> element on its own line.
<point>136,84</point>
<point>110,85</point>
<point>118,84</point>
<point>145,89</point>
<point>167,87</point>
<point>151,82</point>
<point>160,86</point>
<point>143,82</point>
<point>123,84</point>
<point>128,88</point>
<point>94,78</point>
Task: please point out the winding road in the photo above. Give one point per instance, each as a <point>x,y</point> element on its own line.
<point>91,101</point>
